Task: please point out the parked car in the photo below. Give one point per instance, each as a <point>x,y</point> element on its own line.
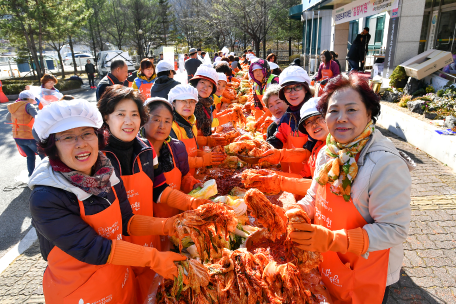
<point>105,57</point>
<point>81,59</point>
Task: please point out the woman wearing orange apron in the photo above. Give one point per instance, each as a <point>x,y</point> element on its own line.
<point>172,156</point>
<point>328,69</point>
<point>295,90</point>
<point>81,213</point>
<point>184,99</point>
<point>145,78</point>
<point>137,165</point>
<point>359,199</point>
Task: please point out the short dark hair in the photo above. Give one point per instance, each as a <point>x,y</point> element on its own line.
<point>48,147</point>
<point>117,63</point>
<point>366,28</point>
<point>47,78</point>
<point>146,64</point>
<point>116,93</point>
<point>223,68</point>
<point>165,73</point>
<point>236,58</point>
<point>203,53</point>
<point>153,105</point>
<point>67,97</point>
<point>327,55</point>
<point>360,85</point>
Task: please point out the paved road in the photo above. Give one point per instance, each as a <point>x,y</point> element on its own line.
<point>429,268</point>
<point>14,212</point>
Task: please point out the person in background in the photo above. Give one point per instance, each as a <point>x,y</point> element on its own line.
<point>328,68</point>
<point>192,64</point>
<point>277,106</point>
<point>365,32</point>
<point>90,70</point>
<point>296,62</point>
<point>184,99</point>
<point>361,215</point>
<point>271,58</point>
<point>165,80</point>
<point>334,58</point>
<point>80,209</point>
<point>356,53</point>
<point>186,56</point>
<point>160,58</point>
<point>200,57</point>
<point>203,55</point>
<point>145,79</point>
<point>119,73</point>
<point>21,115</point>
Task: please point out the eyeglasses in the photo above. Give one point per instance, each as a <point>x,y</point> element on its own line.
<point>72,139</point>
<point>317,120</point>
<point>188,102</point>
<point>296,88</point>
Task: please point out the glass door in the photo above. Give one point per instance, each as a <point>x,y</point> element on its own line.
<point>445,40</point>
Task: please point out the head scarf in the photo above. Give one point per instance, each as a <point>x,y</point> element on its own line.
<point>264,68</point>
<point>341,169</point>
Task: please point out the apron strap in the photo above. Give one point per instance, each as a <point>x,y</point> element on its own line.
<point>81,204</point>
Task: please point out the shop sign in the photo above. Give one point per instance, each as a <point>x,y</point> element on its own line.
<point>362,8</point>
<point>432,30</point>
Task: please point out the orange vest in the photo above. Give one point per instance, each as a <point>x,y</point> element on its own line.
<point>68,280</point>
<point>350,279</point>
<point>22,121</point>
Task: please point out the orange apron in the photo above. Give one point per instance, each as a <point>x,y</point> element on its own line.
<point>296,139</point>
<point>325,74</point>
<point>313,156</point>
<point>173,179</point>
<point>139,188</point>
<point>348,277</point>
<point>68,280</point>
<point>257,112</point>
<point>191,146</point>
<point>145,88</point>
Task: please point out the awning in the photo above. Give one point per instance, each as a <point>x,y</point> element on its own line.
<point>295,12</point>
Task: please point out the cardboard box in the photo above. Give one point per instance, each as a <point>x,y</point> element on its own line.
<point>427,63</point>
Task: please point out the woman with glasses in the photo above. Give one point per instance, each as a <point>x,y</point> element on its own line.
<point>137,165</point>
<point>295,91</point>
<point>145,78</point>
<point>184,99</point>
<point>81,211</point>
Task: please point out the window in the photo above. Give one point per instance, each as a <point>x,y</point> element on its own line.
<point>308,28</point>
<point>424,32</point>
<point>379,29</point>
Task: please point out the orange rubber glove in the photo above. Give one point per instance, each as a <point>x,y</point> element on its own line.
<point>272,182</point>
<point>227,117</point>
<point>187,183</point>
<point>179,200</point>
<point>275,156</point>
<point>148,225</point>
<point>128,254</point>
<point>263,117</point>
<point>318,238</point>
<point>211,141</point>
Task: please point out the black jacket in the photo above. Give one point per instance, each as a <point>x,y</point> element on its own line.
<point>357,49</point>
<point>57,219</point>
<point>162,86</point>
<point>90,68</point>
<point>104,83</point>
<point>191,65</point>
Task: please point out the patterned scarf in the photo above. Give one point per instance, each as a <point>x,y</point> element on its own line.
<point>341,169</point>
<point>98,184</point>
<point>203,114</point>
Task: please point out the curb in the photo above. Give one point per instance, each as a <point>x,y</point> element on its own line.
<point>420,134</point>
<point>18,249</point>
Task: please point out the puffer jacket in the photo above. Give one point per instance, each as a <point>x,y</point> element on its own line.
<point>162,86</point>
<point>381,194</point>
<point>287,126</point>
<point>56,215</point>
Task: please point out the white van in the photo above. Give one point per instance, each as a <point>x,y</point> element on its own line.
<point>105,57</point>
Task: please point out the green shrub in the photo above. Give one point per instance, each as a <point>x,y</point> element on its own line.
<point>430,89</point>
<point>67,85</point>
<point>419,92</point>
<point>15,87</point>
<point>397,76</point>
<point>293,57</point>
<point>440,93</point>
<point>404,100</point>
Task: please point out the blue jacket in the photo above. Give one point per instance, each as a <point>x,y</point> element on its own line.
<point>56,215</point>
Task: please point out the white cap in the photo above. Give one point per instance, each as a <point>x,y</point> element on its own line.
<point>308,109</point>
<point>26,95</point>
<point>182,92</point>
<point>293,74</point>
<point>205,72</point>
<point>151,99</point>
<point>217,59</point>
<point>256,66</point>
<point>65,115</point>
<point>164,66</point>
<point>222,77</point>
<point>273,65</point>
<point>254,59</point>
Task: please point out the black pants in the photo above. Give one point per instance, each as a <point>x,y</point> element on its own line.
<point>91,79</point>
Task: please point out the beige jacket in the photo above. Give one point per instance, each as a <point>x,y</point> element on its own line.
<point>381,194</point>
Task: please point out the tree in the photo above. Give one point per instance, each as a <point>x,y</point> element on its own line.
<point>164,22</point>
<point>115,21</point>
<point>142,17</point>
